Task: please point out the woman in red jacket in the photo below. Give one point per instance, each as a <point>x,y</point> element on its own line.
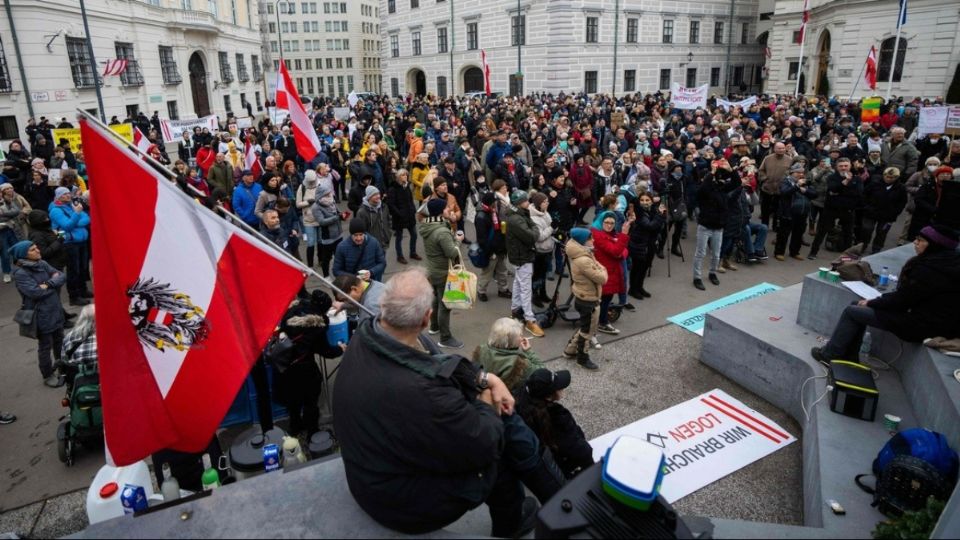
<point>611,249</point>
<point>582,178</point>
<point>206,156</point>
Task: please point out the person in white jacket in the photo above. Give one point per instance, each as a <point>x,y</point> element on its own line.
<point>539,203</point>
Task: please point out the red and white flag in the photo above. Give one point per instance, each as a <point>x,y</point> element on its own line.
<point>308,144</point>
<point>486,72</point>
<point>871,69</point>
<point>251,162</point>
<point>806,17</point>
<point>182,307</point>
<point>114,67</point>
<point>140,140</point>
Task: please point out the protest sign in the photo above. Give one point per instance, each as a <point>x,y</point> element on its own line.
<point>688,98</point>
<point>953,121</point>
<point>743,104</point>
<point>703,440</point>
<point>693,320</point>
<point>72,135</point>
<point>172,129</point>
<point>245,122</point>
<point>932,120</point>
<point>870,109</point>
<point>341,113</point>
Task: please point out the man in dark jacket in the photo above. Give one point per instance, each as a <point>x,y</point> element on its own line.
<point>712,201</point>
<point>419,431</point>
<point>49,242</point>
<point>493,243</point>
<point>522,237</point>
<point>796,198</point>
<point>375,216</point>
<point>361,252</point>
<point>844,193</point>
<point>883,203</point>
<point>358,190</point>
<point>403,214</point>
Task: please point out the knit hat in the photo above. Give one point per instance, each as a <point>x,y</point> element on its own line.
<point>797,167</point>
<point>580,234</point>
<point>418,132</point>
<point>370,192</point>
<point>7,185</point>
<point>943,169</point>
<point>310,178</point>
<point>59,192</point>
<point>542,383</point>
<point>537,198</point>
<point>323,190</point>
<point>936,234</point>
<point>518,197</point>
<point>435,207</point>
<point>438,181</point>
<point>357,226</point>
<point>19,250</point>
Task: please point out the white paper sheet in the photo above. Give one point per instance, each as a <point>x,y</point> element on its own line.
<point>862,290</point>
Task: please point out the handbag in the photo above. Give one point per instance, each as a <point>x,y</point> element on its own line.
<point>679,212</point>
<point>27,320</point>
<point>460,290</point>
<point>277,352</point>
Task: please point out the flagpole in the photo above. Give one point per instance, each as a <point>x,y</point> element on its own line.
<point>896,48</point>
<point>857,84</point>
<point>82,114</point>
<point>803,40</point>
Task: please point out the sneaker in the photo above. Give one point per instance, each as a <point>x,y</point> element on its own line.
<point>811,257</point>
<point>714,279</point>
<point>433,331</point>
<point>54,381</point>
<point>779,257</point>
<point>7,418</point>
<point>6,278</point>
<point>752,259</point>
<point>607,329</point>
<point>698,283</point>
<point>763,255</point>
<point>817,354</point>
<point>533,328</point>
<point>451,343</point>
<point>416,257</point>
<point>731,266</point>
<point>629,307</point>
<point>796,257</point>
<point>721,269</point>
<point>587,363</point>
<point>595,343</point>
<point>505,294</point>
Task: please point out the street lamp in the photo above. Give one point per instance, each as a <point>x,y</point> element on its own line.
<point>689,59</point>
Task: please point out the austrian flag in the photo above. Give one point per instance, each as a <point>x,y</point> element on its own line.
<point>183,311</point>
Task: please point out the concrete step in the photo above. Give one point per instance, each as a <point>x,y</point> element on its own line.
<point>759,345</point>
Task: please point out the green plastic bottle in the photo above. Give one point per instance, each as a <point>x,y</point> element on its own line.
<point>210,478</point>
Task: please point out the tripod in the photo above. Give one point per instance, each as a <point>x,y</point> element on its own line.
<point>666,229</point>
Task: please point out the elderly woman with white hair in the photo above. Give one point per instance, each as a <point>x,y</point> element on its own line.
<point>79,345</point>
<point>508,354</point>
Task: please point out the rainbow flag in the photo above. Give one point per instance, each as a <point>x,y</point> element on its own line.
<point>870,109</point>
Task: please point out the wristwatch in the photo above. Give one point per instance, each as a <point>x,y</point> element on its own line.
<point>482,382</point>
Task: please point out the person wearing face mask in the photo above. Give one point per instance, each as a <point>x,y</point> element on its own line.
<point>933,145</point>
<point>913,186</point>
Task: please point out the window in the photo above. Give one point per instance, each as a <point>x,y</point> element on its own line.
<point>691,77</point>
<point>414,4</point>
<point>629,80</point>
<point>518,30</point>
<point>212,8</point>
<point>132,110</point>
<point>715,76</point>
<point>272,27</point>
<point>632,30</point>
<point>442,39</point>
<point>309,85</point>
<point>668,31</point>
<point>339,63</point>
<point>5,84</point>
<point>315,26</point>
<point>349,63</point>
<point>694,31</point>
<point>738,75</point>
<point>226,101</point>
<point>295,45</point>
<point>391,6</point>
<point>346,44</point>
<point>8,127</point>
<point>664,79</point>
<point>349,83</point>
<point>328,26</point>
<point>168,66</point>
<point>274,47</point>
<point>308,64</point>
<point>256,96</point>
<point>792,71</point>
<point>745,34</point>
<point>442,86</point>
<point>297,64</point>
<point>226,76</point>
<point>592,29</point>
<point>330,86</point>
<point>242,75</point>
<point>131,75</point>
<point>590,82</point>
<point>172,112</point>
<point>329,63</point>
<point>886,59</point>
<point>415,39</point>
<point>343,26</point>
<point>473,36</point>
<point>308,45</point>
<point>293,27</point>
<point>796,36</point>
<point>340,85</point>
<point>718,32</point>
<point>269,8</point>
<point>394,92</point>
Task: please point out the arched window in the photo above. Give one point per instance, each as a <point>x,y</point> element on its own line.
<point>886,58</point>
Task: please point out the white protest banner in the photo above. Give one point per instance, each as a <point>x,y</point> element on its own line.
<point>352,99</point>
<point>341,113</point>
<point>703,439</point>
<point>743,104</point>
<point>278,116</point>
<point>932,120</point>
<point>172,129</point>
<point>688,98</point>
<point>245,122</point>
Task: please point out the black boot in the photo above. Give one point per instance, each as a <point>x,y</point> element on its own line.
<point>583,358</point>
<point>537,296</point>
<point>311,250</point>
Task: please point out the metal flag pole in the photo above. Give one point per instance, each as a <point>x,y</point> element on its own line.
<point>803,39</point>
<point>896,49</point>
<point>84,115</point>
<point>859,78</point>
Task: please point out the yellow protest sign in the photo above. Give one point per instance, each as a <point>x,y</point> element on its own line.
<point>72,135</point>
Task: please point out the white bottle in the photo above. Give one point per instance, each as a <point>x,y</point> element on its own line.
<point>170,488</point>
<point>865,347</point>
<point>292,452</point>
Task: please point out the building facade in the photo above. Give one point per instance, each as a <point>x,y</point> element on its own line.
<point>330,48</point>
<point>840,34</point>
<point>186,58</point>
<point>569,45</point>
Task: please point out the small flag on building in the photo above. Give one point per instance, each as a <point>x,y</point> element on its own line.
<point>486,72</point>
<point>871,71</point>
<point>806,17</point>
<point>114,67</point>
<point>902,20</point>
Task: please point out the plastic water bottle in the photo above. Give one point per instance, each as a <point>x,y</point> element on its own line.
<point>170,488</point>
<point>865,346</point>
<point>884,278</point>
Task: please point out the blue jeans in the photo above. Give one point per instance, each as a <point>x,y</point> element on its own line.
<point>399,241</point>
<point>605,302</point>
<point>310,231</point>
<point>7,239</point>
<point>759,243</point>
<point>705,236</point>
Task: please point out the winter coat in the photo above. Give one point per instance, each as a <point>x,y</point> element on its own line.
<point>563,436</point>
<point>418,173</point>
<point>13,214</point>
<point>49,242</point>
<point>48,311</point>
<point>582,180</point>
<point>74,224</point>
<point>545,240</point>
<point>522,235</point>
<point>401,206</point>
<point>245,201</point>
<point>925,206</point>
<point>439,247</point>
<point>307,329</point>
<point>495,243</point>
<point>220,176</point>
<point>926,302</point>
<point>611,250</point>
<point>712,200</point>
<point>419,450</point>
<point>377,221</point>
<point>772,170</point>
<point>603,184</point>
<point>738,213</point>
<point>513,366</point>
<point>586,274</point>
<point>948,205</point>
<point>349,258</point>
<point>904,156</point>
<point>795,204</point>
<point>884,202</point>
<point>817,179</point>
<point>843,197</point>
<point>328,218</point>
<point>563,207</point>
<point>644,231</point>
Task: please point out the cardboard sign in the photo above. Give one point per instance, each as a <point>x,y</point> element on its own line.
<point>703,439</point>
<point>245,123</point>
<point>688,98</point>
<point>694,319</point>
<point>172,130</point>
<point>932,120</point>
<point>73,134</point>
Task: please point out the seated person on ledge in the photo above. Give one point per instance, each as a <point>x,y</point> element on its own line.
<point>427,436</point>
<point>925,304</point>
<point>507,354</point>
